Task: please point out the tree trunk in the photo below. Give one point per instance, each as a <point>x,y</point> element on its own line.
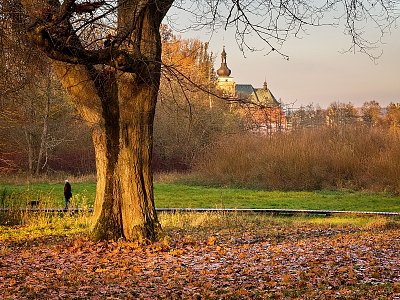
<point>43,138</point>
<point>124,198</point>
<point>29,146</point>
<point>121,118</point>
<point>119,107</point>
<point>29,137</point>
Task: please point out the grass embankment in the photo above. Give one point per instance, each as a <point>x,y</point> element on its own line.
<point>172,195</point>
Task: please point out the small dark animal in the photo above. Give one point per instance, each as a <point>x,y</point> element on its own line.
<point>34,203</point>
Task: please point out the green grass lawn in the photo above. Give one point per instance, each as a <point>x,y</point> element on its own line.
<point>49,194</point>
<point>168,195</point>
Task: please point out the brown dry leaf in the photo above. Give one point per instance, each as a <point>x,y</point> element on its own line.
<point>286,278</point>
<point>136,269</point>
<point>211,241</point>
<point>342,269</point>
<point>176,252</point>
<point>396,286</point>
<point>26,254</point>
<point>59,272</point>
<point>100,270</point>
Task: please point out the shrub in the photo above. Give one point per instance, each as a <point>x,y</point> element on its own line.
<point>320,158</point>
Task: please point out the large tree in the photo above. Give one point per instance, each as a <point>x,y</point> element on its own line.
<point>107,55</point>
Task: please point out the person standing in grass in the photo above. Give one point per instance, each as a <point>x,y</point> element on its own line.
<point>67,193</point>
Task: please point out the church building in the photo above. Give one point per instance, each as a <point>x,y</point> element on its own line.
<point>257,104</point>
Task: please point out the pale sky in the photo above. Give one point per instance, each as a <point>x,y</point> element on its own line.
<point>317,72</point>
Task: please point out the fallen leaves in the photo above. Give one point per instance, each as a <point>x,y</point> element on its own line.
<point>305,263</point>
<point>58,271</point>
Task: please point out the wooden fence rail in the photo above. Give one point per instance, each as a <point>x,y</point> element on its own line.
<point>273,211</point>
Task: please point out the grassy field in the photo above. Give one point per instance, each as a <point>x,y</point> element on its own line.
<point>169,195</point>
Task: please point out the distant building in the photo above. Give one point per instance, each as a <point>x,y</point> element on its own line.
<point>260,96</point>
<point>224,82</point>
<point>258,105</point>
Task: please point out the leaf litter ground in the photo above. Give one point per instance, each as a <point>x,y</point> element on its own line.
<point>259,261</point>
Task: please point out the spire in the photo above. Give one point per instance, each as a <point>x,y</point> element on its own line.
<point>223,71</point>
<point>265,86</point>
<point>223,55</point>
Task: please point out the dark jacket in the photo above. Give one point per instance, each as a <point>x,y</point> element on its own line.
<point>67,190</point>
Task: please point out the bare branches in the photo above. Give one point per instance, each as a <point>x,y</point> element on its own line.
<point>116,58</point>
<point>363,17</point>
<point>272,21</point>
<point>95,32</point>
<point>275,21</point>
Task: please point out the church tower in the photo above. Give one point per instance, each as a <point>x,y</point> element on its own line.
<point>224,82</point>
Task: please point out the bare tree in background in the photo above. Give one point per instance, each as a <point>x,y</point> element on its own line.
<point>339,114</point>
<point>107,55</point>
<point>311,116</point>
<point>372,113</point>
<point>393,116</point>
<point>34,122</point>
<point>33,111</point>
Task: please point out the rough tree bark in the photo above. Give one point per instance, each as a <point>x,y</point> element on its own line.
<point>120,111</point>
<point>115,91</point>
